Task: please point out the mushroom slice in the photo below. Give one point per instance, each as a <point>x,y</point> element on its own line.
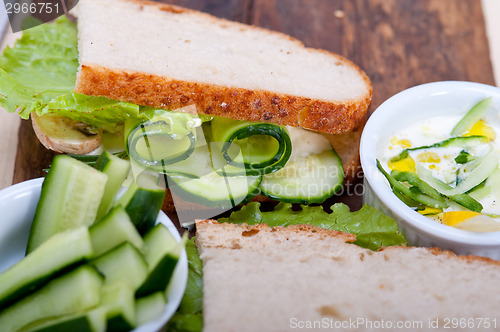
<point>65,135</point>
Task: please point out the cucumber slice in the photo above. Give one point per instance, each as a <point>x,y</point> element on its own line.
<point>149,307</point>
<point>142,205</point>
<point>90,321</point>
<point>161,252</point>
<point>464,142</point>
<point>471,117</point>
<point>123,263</point>
<point>117,170</point>
<point>60,252</point>
<point>114,229</point>
<point>71,194</point>
<point>119,302</point>
<point>306,180</point>
<point>74,292</point>
<point>215,190</point>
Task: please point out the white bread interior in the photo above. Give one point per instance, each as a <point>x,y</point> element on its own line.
<point>166,56</point>
<point>260,279</point>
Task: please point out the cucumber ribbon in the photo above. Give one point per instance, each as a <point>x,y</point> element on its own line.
<point>461,142</point>
<point>472,117</point>
<point>421,194</point>
<point>162,140</point>
<point>485,166</point>
<point>408,196</point>
<point>249,147</point>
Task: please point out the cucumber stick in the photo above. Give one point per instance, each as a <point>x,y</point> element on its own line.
<point>74,292</point>
<point>117,170</point>
<point>90,321</point>
<point>161,252</point>
<point>119,302</point>
<point>142,205</point>
<point>60,252</point>
<point>71,194</point>
<point>122,264</point>
<point>149,307</point>
<point>114,229</point>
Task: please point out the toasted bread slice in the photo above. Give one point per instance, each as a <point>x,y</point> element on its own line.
<point>169,57</point>
<point>257,278</point>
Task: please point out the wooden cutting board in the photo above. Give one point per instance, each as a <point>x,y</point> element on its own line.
<point>399,43</point>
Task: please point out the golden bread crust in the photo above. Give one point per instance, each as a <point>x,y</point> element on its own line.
<point>210,99</point>
<point>251,230</point>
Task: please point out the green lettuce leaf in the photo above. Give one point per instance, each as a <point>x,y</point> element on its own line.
<point>372,228</point>
<point>38,75</point>
<point>186,322</point>
<point>97,111</point>
<point>192,300</point>
<point>188,317</point>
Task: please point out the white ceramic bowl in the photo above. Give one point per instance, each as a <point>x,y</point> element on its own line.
<point>401,110</point>
<point>17,208</point>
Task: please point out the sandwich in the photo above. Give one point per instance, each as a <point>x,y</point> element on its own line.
<point>223,111</point>
<point>258,278</point>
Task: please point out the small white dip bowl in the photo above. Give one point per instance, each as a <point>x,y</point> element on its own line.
<point>403,110</point>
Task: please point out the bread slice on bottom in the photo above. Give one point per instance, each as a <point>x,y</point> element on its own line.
<point>260,279</point>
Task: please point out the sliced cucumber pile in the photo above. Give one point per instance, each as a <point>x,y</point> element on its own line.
<point>100,276</point>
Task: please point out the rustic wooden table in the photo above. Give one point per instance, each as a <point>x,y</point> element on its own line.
<point>399,43</point>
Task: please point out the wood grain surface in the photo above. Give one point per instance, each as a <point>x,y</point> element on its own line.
<point>399,44</point>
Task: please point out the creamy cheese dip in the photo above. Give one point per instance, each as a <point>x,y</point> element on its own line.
<point>440,161</point>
